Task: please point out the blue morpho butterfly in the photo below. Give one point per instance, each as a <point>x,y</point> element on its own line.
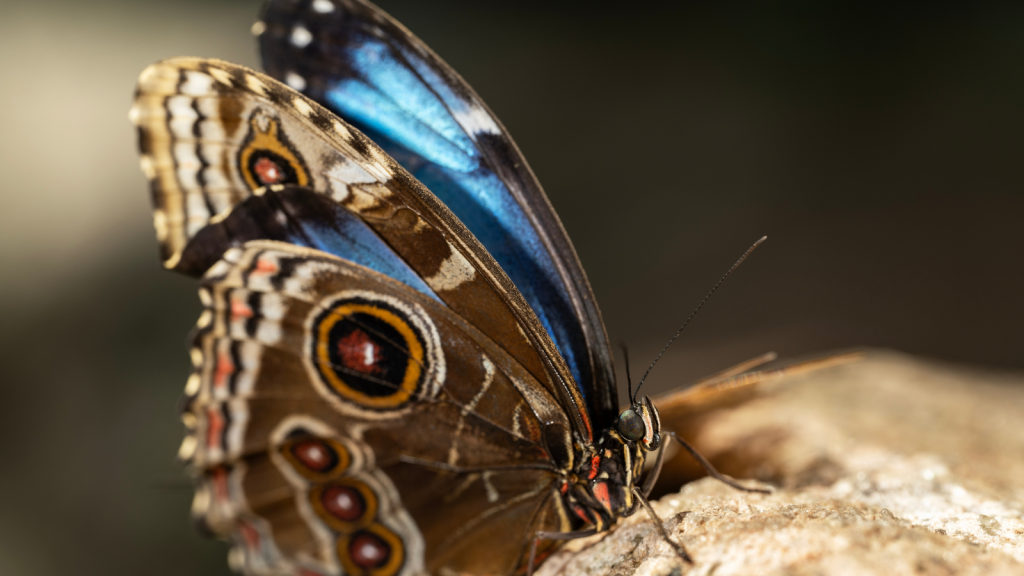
<point>401,368</point>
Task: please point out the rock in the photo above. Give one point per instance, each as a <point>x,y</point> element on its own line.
<point>890,465</point>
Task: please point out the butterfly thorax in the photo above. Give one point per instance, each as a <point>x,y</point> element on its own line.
<point>600,488</point>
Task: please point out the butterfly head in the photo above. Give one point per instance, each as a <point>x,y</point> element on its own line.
<point>641,423</point>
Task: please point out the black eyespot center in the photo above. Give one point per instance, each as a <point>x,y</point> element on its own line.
<point>631,425</point>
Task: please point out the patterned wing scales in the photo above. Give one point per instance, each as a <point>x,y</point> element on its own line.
<point>342,422</point>
<point>214,135</point>
<point>359,62</point>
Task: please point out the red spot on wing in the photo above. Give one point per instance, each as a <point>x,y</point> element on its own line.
<point>214,427</point>
<point>225,368</point>
<point>268,171</point>
<point>250,535</point>
<point>240,309</point>
<point>359,352</point>
<point>265,266</point>
<point>564,489</point>
<point>595,463</point>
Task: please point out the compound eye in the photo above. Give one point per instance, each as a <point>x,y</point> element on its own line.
<point>631,425</point>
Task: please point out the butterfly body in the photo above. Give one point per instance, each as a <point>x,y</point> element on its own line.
<point>400,368</point>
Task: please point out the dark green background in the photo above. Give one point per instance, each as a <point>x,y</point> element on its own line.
<point>878,145</point>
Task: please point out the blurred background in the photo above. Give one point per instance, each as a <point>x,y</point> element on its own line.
<point>880,147</point>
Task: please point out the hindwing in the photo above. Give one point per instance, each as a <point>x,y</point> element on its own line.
<point>214,136</point>
<point>342,422</point>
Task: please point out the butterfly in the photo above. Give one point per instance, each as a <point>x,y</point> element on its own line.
<point>400,367</point>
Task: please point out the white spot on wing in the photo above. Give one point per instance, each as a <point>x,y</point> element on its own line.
<point>222,76</point>
<point>249,354</point>
<point>238,408</point>
<point>146,163</point>
<point>196,84</point>
<point>377,164</point>
<point>303,107</point>
<point>268,333</point>
<point>341,130</point>
<point>323,6</point>
<point>476,120</point>
<point>302,278</point>
<point>183,117</point>
<point>350,173</point>
<point>188,448</point>
<point>294,80</point>
<point>339,191</point>
<point>258,27</point>
<point>201,501</point>
<point>255,84</point>
<point>160,224</point>
<point>196,355</point>
<point>192,385</point>
<point>233,255</point>
<point>272,306</point>
<point>452,273</point>
<point>204,319</point>
<point>188,165</point>
<point>134,114</point>
<point>301,37</point>
<point>219,269</point>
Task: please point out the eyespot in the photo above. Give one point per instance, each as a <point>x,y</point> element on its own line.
<point>346,504</point>
<point>267,157</point>
<point>372,551</point>
<point>372,355</point>
<point>315,457</point>
<point>369,354</point>
<point>631,425</point>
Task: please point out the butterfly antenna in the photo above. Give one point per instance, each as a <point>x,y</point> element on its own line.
<point>694,313</point>
<point>629,379</point>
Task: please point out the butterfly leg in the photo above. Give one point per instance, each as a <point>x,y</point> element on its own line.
<point>705,465</point>
<point>542,535</point>
<point>661,527</point>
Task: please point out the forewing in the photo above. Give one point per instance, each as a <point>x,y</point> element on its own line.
<point>214,135</point>
<point>356,60</point>
<point>342,422</point>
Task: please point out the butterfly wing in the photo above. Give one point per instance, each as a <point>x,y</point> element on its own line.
<point>357,61</point>
<point>685,411</point>
<point>229,153</point>
<point>343,422</point>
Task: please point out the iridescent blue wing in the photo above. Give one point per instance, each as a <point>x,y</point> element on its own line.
<point>360,63</point>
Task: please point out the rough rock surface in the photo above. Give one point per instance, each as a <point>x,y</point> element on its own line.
<point>889,465</point>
